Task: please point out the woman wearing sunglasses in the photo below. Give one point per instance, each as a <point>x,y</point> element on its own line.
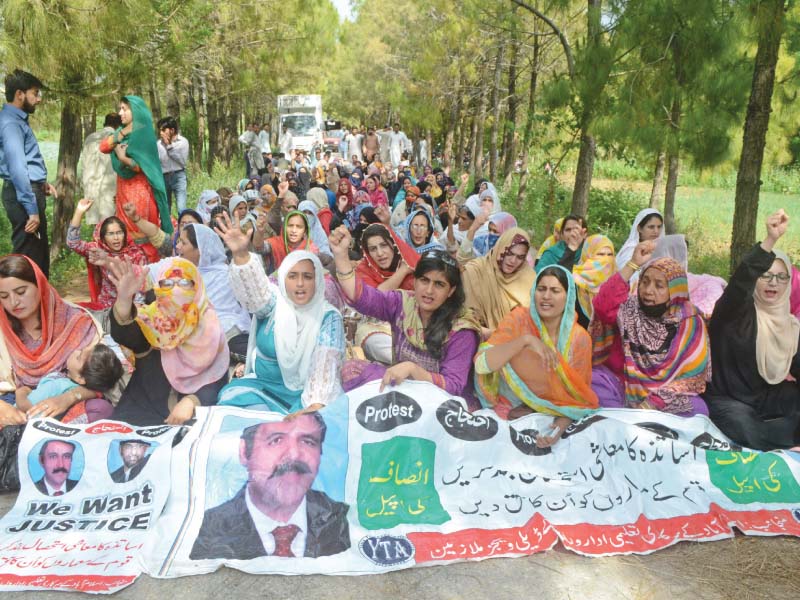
<point>434,337</point>
<point>754,397</point>
<point>181,354</point>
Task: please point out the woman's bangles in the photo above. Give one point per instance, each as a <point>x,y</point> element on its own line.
<point>345,276</point>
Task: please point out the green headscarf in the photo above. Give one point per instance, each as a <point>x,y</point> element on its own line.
<point>307,245</point>
<point>142,149</point>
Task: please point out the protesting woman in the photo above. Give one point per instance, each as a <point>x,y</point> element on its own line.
<point>539,360</point>
<point>434,337</point>
<point>650,346</point>
<point>296,346</point>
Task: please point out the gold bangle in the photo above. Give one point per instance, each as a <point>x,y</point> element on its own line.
<point>633,266</point>
<point>345,276</point>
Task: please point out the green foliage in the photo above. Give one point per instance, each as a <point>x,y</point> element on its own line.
<point>611,212</point>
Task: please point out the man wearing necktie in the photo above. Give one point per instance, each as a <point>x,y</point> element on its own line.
<point>55,456</point>
<point>276,513</point>
<point>134,458</point>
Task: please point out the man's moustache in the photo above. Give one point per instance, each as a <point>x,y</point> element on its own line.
<point>60,470</point>
<point>295,466</point>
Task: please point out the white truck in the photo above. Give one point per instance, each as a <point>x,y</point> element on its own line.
<point>302,116</point>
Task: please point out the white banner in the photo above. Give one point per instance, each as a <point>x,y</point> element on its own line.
<point>385,481</point>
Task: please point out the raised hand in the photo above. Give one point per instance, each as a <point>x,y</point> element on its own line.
<point>126,279</point>
<point>452,212</point>
<point>129,208</point>
<point>339,241</point>
<point>643,252</point>
<point>777,224</point>
<point>383,214</point>
<point>341,203</point>
<point>237,241</point>
<point>283,187</point>
<point>83,205</point>
<point>464,178</point>
<point>97,257</point>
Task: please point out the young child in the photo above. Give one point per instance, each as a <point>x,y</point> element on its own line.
<point>95,367</point>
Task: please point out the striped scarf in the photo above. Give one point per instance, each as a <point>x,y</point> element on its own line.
<point>666,358</point>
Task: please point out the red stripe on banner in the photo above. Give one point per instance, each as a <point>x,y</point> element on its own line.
<point>535,536</point>
<point>81,583</point>
<point>649,535</point>
<point>642,537</point>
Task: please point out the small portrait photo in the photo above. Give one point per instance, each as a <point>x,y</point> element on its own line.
<point>56,466</point>
<point>274,488</point>
<point>127,458</point>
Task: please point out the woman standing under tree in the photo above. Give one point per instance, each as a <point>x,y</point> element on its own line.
<point>134,155</point>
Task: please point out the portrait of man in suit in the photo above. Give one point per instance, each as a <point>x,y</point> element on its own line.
<point>55,456</point>
<point>277,513</point>
<point>134,458</point>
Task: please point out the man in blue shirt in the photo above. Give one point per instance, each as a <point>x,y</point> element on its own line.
<point>23,171</point>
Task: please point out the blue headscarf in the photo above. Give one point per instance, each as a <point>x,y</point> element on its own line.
<point>430,243</point>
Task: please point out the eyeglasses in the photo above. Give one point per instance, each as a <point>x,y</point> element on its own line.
<point>419,226</point>
<point>782,278</point>
<point>183,282</point>
<point>441,255</point>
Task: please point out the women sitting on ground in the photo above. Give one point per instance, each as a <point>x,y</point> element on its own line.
<point>497,283</point>
<point>552,239</point>
<point>459,220</point>
<point>434,336</point>
<point>650,346</point>
<point>240,211</point>
<point>388,264</point>
<point>648,225</point>
<point>567,251</point>
<point>134,156</point>
<point>203,248</point>
<point>208,201</point>
<point>483,234</point>
<point>39,334</point>
<point>163,243</point>
<point>110,239</point>
<point>377,195</point>
<point>595,267</point>
<point>539,360</point>
<point>754,396</point>
<point>420,232</point>
<point>181,355</point>
<point>295,235</point>
<point>297,339</point>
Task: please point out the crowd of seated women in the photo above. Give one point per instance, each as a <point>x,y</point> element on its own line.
<point>243,305</point>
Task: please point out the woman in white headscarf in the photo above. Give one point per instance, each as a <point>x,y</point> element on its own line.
<point>296,349</point>
<point>208,201</point>
<point>318,235</point>
<point>754,341</point>
<point>648,225</point>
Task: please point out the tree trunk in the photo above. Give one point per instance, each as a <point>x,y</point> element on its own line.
<point>69,151</point>
<point>452,126</point>
<point>770,22</point>
<point>155,101</point>
<point>495,101</point>
<point>89,122</point>
<point>527,137</point>
<point>585,168</point>
<point>510,122</point>
<point>480,118</point>
<point>658,180</point>
<point>583,173</point>
<point>473,144</point>
<point>672,188</point>
<point>429,147</point>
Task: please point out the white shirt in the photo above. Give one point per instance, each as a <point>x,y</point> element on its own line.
<point>265,525</point>
<point>287,144</point>
<point>51,490</point>
<point>263,138</point>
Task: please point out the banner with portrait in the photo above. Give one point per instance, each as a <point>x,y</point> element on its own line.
<point>377,481</point>
<point>423,481</point>
<point>90,497</point>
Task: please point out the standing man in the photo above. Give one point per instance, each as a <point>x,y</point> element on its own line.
<point>286,143</point>
<point>98,179</point>
<point>354,143</point>
<point>372,146</point>
<point>173,152</point>
<point>23,170</point>
<point>398,143</point>
<point>263,138</point>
